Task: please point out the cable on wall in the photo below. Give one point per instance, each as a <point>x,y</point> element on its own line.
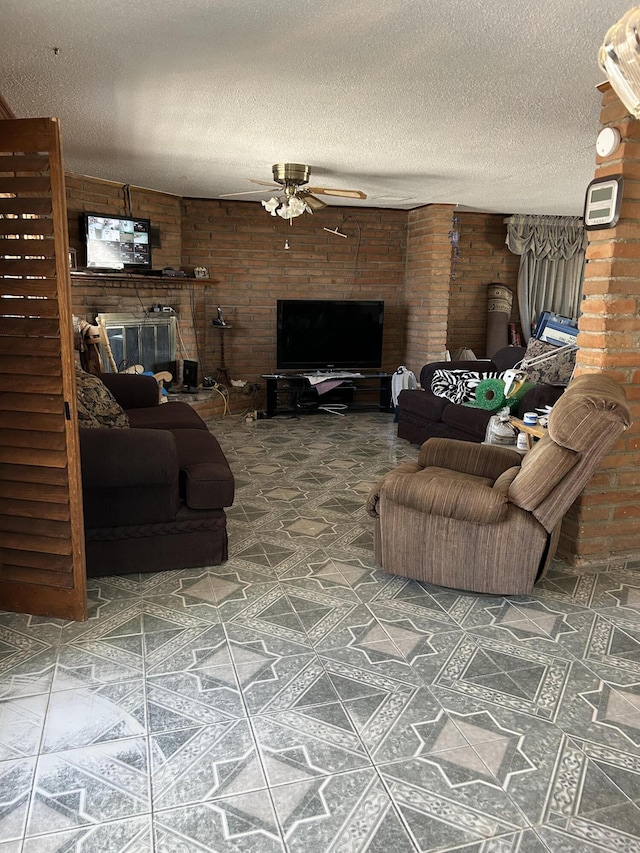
<point>454,239</point>
<point>126,192</point>
<point>356,259</point>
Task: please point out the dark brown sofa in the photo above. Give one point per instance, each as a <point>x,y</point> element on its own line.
<point>422,414</point>
<point>154,495</point>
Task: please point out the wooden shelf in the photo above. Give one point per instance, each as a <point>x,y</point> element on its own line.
<point>135,276</point>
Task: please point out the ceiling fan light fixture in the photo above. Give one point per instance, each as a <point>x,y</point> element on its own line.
<point>619,58</point>
<point>271,205</point>
<point>291,207</point>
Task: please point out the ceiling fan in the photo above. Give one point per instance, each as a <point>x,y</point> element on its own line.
<point>294,198</point>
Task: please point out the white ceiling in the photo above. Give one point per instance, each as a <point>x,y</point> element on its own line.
<point>490,105</point>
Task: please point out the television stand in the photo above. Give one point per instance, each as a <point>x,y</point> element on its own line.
<point>357,391</point>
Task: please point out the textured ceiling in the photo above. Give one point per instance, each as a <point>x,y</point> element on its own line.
<point>490,105</point>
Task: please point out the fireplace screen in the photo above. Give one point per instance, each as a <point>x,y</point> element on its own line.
<point>146,339</point>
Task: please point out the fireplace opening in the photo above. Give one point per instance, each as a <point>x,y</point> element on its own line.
<point>146,339</point>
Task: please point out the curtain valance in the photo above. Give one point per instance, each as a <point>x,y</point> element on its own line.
<point>554,237</point>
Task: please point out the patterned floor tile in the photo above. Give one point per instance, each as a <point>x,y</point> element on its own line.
<point>519,751</point>
<point>272,683</point>
<point>269,557</point>
<point>319,572</point>
<point>91,715</point>
<point>445,815</point>
<point>351,681</point>
<point>27,628</point>
<point>201,647</point>
<point>506,674</point>
<point>238,587</point>
<point>313,528</point>
<point>326,618</point>
<point>467,746</point>
<point>524,841</point>
<point>192,594</point>
<point>282,495</point>
<point>271,614</point>
<point>198,696</point>
<point>562,629</point>
<point>350,811</point>
<point>425,643</point>
<point>28,675</point>
<point>613,647</point>
<point>363,576</point>
<point>563,584</point>
<point>593,801</point>
<point>194,765</point>
<point>604,707</point>
<point>412,599</point>
<point>265,636</point>
<point>318,740</point>
<point>96,663</point>
<point>119,646</point>
<point>244,823</point>
<point>105,613</point>
<point>386,717</point>
<point>115,587</point>
<point>373,654</point>
<point>120,836</point>
<point>27,660</point>
<point>21,725</point>
<point>16,781</point>
<point>90,786</point>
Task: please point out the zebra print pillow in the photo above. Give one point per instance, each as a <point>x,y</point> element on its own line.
<point>459,386</point>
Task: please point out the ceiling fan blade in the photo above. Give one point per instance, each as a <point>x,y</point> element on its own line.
<point>332,191</point>
<point>311,201</point>
<point>247,192</point>
<point>265,183</point>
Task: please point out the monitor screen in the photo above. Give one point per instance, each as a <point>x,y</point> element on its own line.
<point>326,334</point>
<point>116,242</point>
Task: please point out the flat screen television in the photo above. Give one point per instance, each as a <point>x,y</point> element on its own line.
<point>329,334</point>
<point>116,242</point>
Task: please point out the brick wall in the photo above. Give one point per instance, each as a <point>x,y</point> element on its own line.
<point>447,297</point>
<point>243,249</point>
<point>427,284</point>
<point>605,522</point>
<point>402,257</point>
<point>483,259</point>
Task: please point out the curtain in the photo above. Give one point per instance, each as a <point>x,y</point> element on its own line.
<point>552,259</point>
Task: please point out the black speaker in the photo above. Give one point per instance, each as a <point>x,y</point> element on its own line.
<point>190,374</point>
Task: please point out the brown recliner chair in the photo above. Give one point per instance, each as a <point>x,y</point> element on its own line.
<point>481,517</point>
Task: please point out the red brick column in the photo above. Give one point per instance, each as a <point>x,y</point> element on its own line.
<point>427,284</point>
<point>604,523</point>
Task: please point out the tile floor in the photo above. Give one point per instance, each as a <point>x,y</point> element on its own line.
<point>298,699</point>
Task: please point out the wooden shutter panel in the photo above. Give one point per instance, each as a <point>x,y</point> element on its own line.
<point>42,566</point>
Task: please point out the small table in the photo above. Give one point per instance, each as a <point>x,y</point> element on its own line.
<point>535,431</point>
<point>221,374</point>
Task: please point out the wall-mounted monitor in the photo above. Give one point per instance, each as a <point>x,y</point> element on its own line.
<point>116,242</point>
